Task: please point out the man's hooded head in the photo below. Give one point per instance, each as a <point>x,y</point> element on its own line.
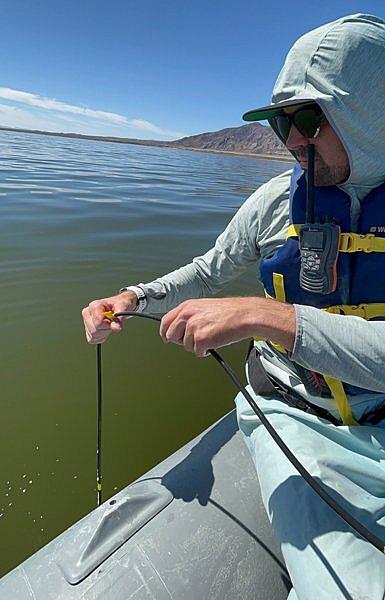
<point>341,66</point>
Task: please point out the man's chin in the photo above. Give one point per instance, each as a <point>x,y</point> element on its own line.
<point>324,176</point>
<point>324,179</point>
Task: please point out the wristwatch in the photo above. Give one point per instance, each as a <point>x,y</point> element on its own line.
<point>141,295</point>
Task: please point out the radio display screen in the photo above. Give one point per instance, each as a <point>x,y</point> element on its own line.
<point>312,240</point>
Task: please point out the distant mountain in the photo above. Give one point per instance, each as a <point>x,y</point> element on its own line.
<point>253,139</point>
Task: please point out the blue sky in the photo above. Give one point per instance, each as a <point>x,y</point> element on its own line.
<point>156,69</point>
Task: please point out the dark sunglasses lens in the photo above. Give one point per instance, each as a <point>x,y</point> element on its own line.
<point>307,122</point>
<point>281,125</point>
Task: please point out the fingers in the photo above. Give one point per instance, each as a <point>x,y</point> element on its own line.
<point>167,321</point>
<point>200,345</point>
<point>188,340</point>
<point>182,326</point>
<point>194,339</point>
<point>116,325</point>
<point>175,332</point>
<point>97,327</point>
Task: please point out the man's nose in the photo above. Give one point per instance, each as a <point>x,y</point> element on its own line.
<point>296,139</point>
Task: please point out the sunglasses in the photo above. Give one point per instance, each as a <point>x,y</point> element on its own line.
<point>306,120</point>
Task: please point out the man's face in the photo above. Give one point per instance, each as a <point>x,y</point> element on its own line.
<point>331,163</point>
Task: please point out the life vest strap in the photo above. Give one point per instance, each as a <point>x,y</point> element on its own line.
<point>373,310</point>
<point>293,231</point>
<point>280,295</point>
<point>279,287</point>
<point>338,393</point>
<point>365,311</point>
<point>349,242</point>
<point>356,242</point>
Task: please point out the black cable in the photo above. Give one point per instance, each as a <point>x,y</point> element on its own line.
<point>99,448</point>
<point>137,314</point>
<point>344,514</point>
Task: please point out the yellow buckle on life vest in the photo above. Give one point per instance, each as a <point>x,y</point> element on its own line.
<point>365,311</point>
<point>355,242</point>
<point>349,242</point>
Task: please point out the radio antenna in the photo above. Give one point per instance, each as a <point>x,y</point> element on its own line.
<point>310,185</point>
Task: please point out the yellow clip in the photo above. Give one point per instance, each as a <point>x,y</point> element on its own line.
<point>350,310</point>
<point>109,314</point>
<point>293,230</point>
<point>99,487</point>
<point>355,242</point>
<point>374,310</point>
<point>356,311</point>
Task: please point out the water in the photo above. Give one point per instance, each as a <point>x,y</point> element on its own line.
<point>79,219</point>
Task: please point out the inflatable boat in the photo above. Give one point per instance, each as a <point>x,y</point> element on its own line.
<point>192,528</point>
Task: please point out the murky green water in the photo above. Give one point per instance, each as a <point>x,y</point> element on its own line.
<point>78,220</point>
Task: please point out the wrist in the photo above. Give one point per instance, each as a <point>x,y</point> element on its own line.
<point>130,298</point>
<point>275,321</point>
<point>141,297</point>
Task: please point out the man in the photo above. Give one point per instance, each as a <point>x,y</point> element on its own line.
<point>320,356</point>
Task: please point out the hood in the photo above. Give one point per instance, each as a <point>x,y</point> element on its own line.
<point>341,65</point>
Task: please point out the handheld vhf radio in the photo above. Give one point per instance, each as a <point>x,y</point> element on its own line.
<point>318,243</point>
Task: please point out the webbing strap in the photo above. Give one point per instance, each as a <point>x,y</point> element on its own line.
<point>365,311</point>
<point>279,287</point>
<point>349,242</point>
<point>355,242</point>
<point>280,295</point>
<point>373,310</point>
<point>293,231</point>
<point>338,393</point>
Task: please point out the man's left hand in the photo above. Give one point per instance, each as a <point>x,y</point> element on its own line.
<point>206,323</point>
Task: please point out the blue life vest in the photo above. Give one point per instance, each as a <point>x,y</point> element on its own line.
<point>360,279</point>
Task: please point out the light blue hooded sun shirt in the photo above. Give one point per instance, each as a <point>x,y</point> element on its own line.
<point>342,66</point>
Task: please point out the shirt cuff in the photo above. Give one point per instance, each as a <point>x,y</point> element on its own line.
<point>298,342</point>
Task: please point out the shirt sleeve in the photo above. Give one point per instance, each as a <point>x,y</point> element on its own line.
<point>347,348</point>
<point>234,250</point>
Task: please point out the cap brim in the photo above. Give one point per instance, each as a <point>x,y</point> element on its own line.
<point>268,112</point>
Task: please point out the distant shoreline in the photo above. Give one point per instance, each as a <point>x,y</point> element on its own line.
<point>278,157</point>
<point>154,143</point>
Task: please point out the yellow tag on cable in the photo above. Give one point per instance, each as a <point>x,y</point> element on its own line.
<point>109,314</point>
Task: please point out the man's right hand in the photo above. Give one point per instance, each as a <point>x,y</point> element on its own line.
<point>97,326</point>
